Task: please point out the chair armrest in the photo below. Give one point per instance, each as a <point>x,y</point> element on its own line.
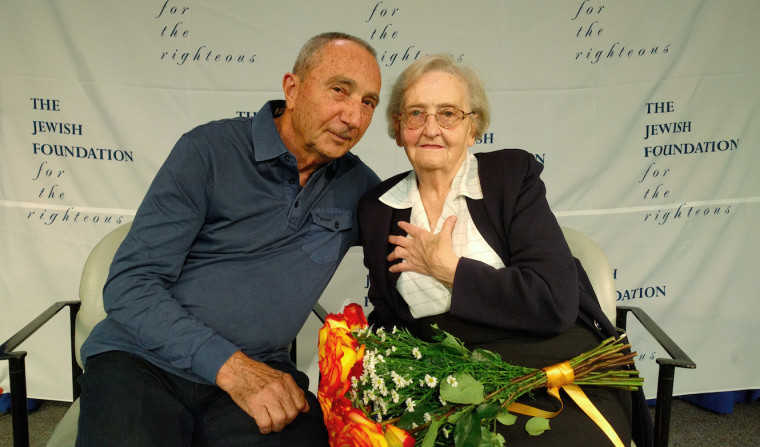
<point>320,312</point>
<point>25,332</point>
<point>678,358</point>
<point>666,373</point>
<point>17,367</point>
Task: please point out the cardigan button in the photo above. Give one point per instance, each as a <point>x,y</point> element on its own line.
<point>597,325</point>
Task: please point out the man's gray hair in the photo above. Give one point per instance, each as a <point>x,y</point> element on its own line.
<point>307,59</point>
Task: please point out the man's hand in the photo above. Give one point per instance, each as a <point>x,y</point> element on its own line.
<point>269,396</point>
<point>426,253</point>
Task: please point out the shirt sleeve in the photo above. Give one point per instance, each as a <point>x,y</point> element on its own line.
<point>537,291</point>
<point>137,293</point>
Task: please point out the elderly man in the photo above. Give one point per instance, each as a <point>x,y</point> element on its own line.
<point>234,242</point>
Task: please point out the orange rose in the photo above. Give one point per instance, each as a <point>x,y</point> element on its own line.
<point>339,359</point>
<point>334,418</point>
<point>359,431</point>
<point>339,353</point>
<point>354,315</point>
<point>349,427</point>
<point>397,437</point>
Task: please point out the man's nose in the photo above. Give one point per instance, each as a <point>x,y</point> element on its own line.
<point>352,113</point>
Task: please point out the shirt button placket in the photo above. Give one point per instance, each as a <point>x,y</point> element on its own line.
<point>294,216</point>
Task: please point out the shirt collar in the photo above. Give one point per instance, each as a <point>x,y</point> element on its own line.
<point>267,143</point>
<point>465,183</point>
<point>266,139</point>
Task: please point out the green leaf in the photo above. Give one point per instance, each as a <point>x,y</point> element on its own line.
<point>506,418</point>
<point>489,439</point>
<point>487,410</point>
<point>453,345</point>
<point>467,391</point>
<point>455,417</point>
<point>536,425</point>
<point>467,431</point>
<point>485,356</point>
<point>432,432</point>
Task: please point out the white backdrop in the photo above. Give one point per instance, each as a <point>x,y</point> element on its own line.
<point>645,113</point>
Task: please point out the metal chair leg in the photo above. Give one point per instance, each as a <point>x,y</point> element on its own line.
<point>664,402</point>
<point>17,370</point>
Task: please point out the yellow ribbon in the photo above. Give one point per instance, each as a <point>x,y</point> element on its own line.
<point>562,376</point>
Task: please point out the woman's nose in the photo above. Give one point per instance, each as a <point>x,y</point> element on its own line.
<point>431,126</point>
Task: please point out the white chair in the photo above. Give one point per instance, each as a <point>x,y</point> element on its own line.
<point>596,265</point>
<point>94,275</point>
<point>85,314</point>
<point>597,268</point>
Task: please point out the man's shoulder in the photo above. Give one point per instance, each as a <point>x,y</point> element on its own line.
<point>236,124</point>
<point>219,137</point>
<point>353,165</point>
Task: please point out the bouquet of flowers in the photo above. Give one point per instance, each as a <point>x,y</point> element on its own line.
<point>390,389</point>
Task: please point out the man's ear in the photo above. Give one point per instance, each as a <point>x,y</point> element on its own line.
<point>290,84</point>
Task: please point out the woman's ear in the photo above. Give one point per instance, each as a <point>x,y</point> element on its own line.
<point>397,126</point>
<point>473,130</point>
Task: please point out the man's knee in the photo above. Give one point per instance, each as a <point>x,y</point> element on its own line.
<point>124,403</point>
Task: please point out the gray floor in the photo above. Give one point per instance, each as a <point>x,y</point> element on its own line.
<point>690,426</point>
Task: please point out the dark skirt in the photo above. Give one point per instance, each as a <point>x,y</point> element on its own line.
<point>572,427</point>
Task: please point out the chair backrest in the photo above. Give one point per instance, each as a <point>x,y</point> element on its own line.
<point>596,265</point>
<point>94,275</point>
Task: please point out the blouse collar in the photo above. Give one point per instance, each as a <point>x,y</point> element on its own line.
<point>465,183</point>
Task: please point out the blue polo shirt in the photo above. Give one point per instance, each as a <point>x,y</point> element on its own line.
<point>227,252</point>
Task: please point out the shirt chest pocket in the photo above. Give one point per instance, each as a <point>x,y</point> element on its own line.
<point>329,234</point>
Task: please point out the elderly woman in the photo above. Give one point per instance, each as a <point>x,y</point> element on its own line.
<point>468,242</point>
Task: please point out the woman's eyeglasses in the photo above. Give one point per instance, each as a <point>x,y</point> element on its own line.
<point>446,117</point>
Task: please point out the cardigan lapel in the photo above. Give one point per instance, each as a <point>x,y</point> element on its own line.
<point>487,214</point>
<point>487,227</point>
<point>396,216</point>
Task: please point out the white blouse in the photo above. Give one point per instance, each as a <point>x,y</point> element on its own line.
<point>424,294</point>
